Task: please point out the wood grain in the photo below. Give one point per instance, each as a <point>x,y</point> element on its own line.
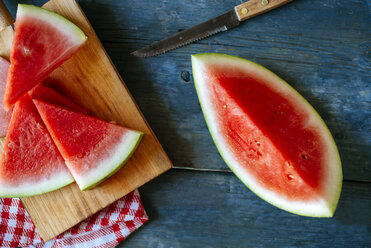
<point>91,79</point>
<point>207,209</point>
<point>253,8</point>
<point>6,19</point>
<point>6,38</point>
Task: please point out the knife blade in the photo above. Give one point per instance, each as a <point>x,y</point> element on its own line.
<point>218,24</point>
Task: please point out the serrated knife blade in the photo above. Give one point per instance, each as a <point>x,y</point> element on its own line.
<point>218,24</point>
<point>200,31</point>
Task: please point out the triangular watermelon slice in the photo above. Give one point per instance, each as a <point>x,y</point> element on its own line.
<point>42,41</point>
<point>31,163</point>
<point>92,148</point>
<point>269,135</point>
<point>4,115</point>
<point>49,95</point>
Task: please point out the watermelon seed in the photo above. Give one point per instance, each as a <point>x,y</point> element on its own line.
<point>289,164</point>
<point>39,126</point>
<point>290,177</point>
<point>304,156</point>
<point>224,106</point>
<point>26,51</point>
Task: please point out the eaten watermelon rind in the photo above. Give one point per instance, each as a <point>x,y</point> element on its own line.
<point>64,25</point>
<point>118,158</point>
<point>36,188</point>
<point>322,207</point>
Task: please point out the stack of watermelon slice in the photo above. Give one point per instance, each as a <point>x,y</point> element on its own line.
<point>50,141</point>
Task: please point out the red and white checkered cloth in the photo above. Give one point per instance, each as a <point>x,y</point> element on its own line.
<point>105,229</point>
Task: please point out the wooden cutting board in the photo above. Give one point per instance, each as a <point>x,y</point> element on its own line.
<point>90,79</point>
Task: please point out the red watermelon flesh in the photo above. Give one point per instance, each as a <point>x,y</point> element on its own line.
<point>252,121</point>
<point>4,115</point>
<point>31,163</point>
<point>42,41</point>
<point>92,148</point>
<point>269,135</point>
<point>49,95</point>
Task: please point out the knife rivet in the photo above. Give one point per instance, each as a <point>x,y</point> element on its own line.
<point>244,11</point>
<point>265,2</point>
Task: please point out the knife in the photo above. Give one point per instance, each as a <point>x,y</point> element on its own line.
<point>218,24</point>
<point>6,30</point>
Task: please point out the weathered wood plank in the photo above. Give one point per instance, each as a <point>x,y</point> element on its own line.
<point>320,47</point>
<point>204,209</point>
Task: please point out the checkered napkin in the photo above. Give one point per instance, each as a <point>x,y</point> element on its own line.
<point>105,229</point>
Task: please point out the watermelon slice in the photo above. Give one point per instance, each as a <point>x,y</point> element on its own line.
<point>31,163</point>
<point>269,136</point>
<point>46,94</point>
<point>4,115</point>
<point>42,41</point>
<point>92,148</point>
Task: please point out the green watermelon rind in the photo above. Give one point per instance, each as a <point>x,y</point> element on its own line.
<point>110,166</point>
<point>33,189</point>
<point>70,36</point>
<point>55,180</point>
<point>64,25</point>
<point>329,206</point>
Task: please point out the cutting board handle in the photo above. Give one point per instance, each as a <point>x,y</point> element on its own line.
<point>6,19</point>
<point>253,8</point>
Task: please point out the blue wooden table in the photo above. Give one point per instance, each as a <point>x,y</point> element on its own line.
<point>321,47</point>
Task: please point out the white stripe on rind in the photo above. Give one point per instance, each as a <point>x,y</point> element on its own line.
<point>108,166</point>
<point>55,182</point>
<point>321,207</point>
<point>59,22</point>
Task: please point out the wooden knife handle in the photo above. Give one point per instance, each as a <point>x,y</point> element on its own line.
<point>253,8</point>
<point>6,18</point>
